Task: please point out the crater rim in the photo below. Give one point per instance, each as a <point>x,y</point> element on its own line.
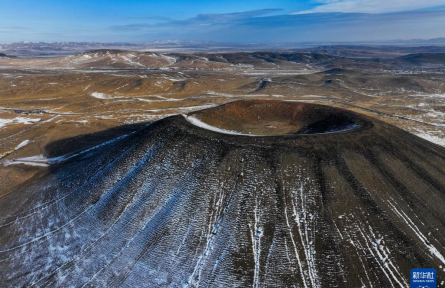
<point>275,118</point>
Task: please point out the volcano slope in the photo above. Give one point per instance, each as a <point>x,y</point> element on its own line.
<point>328,198</point>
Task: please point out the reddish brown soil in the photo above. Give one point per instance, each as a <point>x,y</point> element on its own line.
<point>273,117</point>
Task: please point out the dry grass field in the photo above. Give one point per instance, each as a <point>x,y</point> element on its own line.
<point>45,100</point>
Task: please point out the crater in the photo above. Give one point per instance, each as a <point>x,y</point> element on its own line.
<point>273,118</point>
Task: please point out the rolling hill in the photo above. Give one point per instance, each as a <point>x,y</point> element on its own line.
<point>210,199</point>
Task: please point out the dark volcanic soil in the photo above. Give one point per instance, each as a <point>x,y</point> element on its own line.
<point>175,205</point>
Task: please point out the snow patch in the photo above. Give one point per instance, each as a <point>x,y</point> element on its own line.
<point>43,161</point>
<point>438,139</point>
<point>40,161</point>
<point>99,95</point>
<point>160,99</point>
<point>432,138</point>
<point>195,121</point>
<point>130,61</point>
<point>22,144</point>
<point>18,120</point>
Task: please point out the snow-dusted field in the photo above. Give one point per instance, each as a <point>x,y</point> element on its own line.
<point>113,201</point>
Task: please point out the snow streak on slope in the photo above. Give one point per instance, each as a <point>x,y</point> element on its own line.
<point>419,234</point>
<point>170,206</point>
<point>199,123</point>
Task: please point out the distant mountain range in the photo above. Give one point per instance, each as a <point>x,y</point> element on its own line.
<point>44,49</point>
<point>327,57</point>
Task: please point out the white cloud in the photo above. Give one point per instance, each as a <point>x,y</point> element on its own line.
<point>371,6</point>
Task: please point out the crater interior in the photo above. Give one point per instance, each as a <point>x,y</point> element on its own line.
<point>271,118</point>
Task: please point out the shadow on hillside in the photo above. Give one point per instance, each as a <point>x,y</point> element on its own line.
<point>82,142</point>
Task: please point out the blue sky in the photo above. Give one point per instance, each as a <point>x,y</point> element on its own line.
<point>222,21</point>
